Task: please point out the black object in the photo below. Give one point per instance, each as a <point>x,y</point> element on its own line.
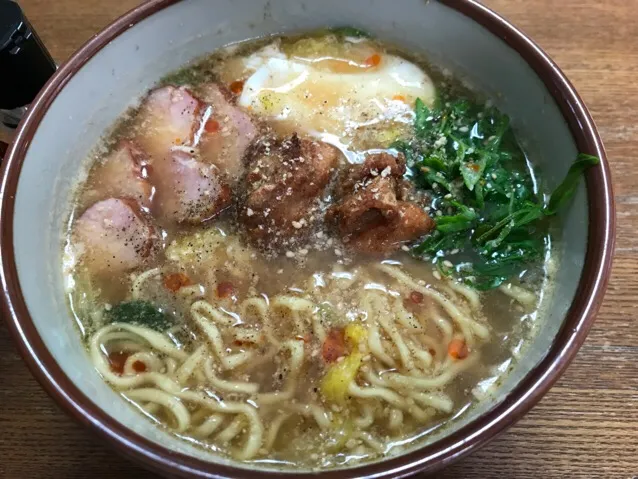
<point>25,64</point>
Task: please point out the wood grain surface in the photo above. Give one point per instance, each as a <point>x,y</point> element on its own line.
<point>586,426</point>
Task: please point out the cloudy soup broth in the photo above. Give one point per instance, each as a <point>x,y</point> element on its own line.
<point>305,251</point>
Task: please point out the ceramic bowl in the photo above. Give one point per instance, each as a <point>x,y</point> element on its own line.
<point>116,67</point>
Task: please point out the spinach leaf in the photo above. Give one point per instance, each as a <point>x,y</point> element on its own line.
<point>140,313</point>
<point>348,31</point>
<point>526,214</point>
<point>567,188</point>
<point>484,200</point>
<point>472,172</point>
<point>437,243</point>
<point>422,117</point>
<point>462,221</point>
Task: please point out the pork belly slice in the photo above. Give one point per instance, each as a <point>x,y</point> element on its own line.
<point>168,117</point>
<point>227,133</point>
<point>113,236</point>
<point>188,190</point>
<point>122,174</point>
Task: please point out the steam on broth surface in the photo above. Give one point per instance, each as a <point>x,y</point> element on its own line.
<point>246,262</point>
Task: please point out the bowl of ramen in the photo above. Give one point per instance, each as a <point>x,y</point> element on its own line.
<point>246,239</point>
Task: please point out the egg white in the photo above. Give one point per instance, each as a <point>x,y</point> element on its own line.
<point>306,97</point>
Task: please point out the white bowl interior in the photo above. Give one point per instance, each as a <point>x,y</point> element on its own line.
<point>123,70</point>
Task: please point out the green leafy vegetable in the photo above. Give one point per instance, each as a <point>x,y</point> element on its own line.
<point>185,76</point>
<point>489,216</point>
<point>327,314</point>
<point>140,313</point>
<point>349,31</point>
<point>472,173</point>
<point>566,189</point>
<point>461,221</point>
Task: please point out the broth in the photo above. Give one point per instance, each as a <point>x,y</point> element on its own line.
<point>308,342</point>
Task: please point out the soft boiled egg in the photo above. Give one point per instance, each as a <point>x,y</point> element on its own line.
<point>350,92</point>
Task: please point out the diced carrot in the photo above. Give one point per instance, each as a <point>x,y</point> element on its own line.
<point>457,349</point>
<point>474,166</point>
<point>175,281</point>
<point>237,87</point>
<point>334,346</point>
<point>399,98</point>
<point>178,141</point>
<point>212,126</point>
<point>373,60</point>
<point>139,367</point>
<point>416,297</point>
<point>117,359</point>
<point>225,289</point>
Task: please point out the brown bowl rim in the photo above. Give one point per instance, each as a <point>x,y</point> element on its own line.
<point>429,458</point>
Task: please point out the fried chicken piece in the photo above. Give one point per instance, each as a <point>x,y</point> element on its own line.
<point>371,214</point>
<point>286,181</point>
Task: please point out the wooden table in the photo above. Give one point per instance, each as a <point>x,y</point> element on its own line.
<point>586,427</point>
